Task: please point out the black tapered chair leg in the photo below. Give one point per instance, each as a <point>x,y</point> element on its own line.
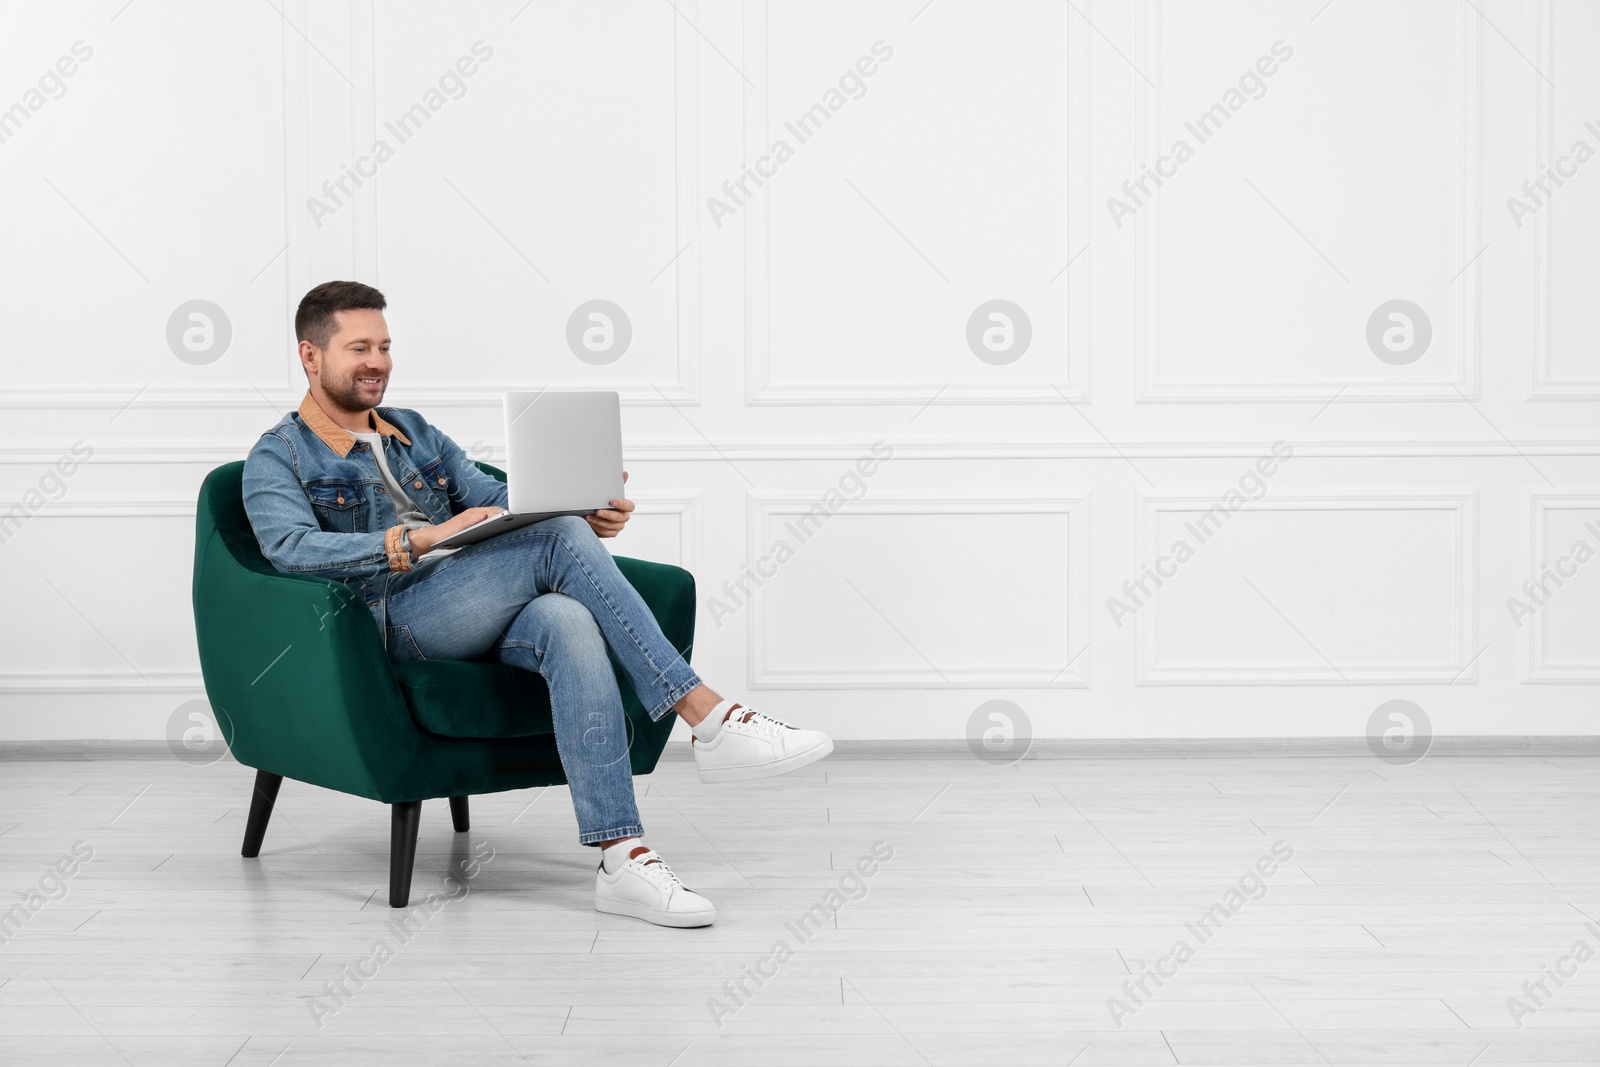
<point>261,801</point>
<point>404,819</point>
<point>458,814</point>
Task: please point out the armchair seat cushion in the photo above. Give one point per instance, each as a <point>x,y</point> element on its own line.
<point>475,699</point>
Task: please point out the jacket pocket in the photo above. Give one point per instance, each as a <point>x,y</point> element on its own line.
<point>339,506</point>
<point>435,479</point>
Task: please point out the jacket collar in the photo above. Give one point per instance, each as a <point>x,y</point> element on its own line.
<point>337,437</point>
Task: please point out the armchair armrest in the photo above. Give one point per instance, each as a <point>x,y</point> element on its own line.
<point>297,675</point>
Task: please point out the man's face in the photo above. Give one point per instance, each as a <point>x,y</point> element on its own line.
<point>354,369</point>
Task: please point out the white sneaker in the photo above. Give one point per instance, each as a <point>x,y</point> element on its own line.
<point>645,888</point>
<point>751,745</point>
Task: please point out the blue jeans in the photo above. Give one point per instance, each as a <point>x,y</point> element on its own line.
<point>549,598</point>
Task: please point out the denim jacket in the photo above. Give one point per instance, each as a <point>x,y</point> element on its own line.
<point>318,504</point>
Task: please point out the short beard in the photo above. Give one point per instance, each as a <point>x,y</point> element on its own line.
<point>346,395</point>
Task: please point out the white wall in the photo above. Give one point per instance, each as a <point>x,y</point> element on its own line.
<point>773,344</point>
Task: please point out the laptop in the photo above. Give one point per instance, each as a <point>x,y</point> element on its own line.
<point>564,457</point>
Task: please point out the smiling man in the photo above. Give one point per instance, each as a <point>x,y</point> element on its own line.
<point>346,489</point>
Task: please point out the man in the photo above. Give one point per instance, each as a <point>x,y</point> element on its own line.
<point>347,490</point>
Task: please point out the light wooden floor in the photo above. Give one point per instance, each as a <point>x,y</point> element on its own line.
<point>1018,901</point>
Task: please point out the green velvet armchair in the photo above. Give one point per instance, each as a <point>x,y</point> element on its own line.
<point>296,672</point>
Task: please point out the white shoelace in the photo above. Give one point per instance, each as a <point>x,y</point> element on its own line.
<point>757,723</point>
<point>658,872</point>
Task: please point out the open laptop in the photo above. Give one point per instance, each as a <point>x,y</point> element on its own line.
<point>564,457</point>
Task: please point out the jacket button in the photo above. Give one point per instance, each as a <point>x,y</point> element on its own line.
<point>340,500</point>
<point>418,484</point>
<point>441,479</point>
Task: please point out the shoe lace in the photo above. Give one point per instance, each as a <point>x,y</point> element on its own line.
<point>655,868</point>
<point>757,723</point>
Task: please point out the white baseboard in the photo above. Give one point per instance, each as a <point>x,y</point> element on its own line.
<point>955,749</point>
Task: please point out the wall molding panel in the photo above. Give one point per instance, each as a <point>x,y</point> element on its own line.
<point>1461,669</point>
<point>1155,386</point>
<point>1069,671</point>
<point>764,385</point>
<point>1539,668</point>
<point>1542,385</point>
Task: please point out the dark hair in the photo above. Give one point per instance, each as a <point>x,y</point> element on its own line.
<point>314,320</point>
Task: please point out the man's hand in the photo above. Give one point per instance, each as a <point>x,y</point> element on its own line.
<point>424,538</point>
<point>608,522</point>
